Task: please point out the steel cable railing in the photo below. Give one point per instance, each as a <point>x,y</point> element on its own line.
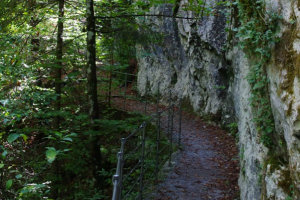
<point>147,148</point>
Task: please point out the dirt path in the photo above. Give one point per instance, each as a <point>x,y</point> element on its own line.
<point>206,168</point>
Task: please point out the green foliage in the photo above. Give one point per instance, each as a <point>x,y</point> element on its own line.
<point>257,35</point>
<point>37,159</point>
<point>34,191</point>
<point>27,97</point>
<point>292,192</point>
<point>202,8</point>
<point>233,130</point>
<point>120,35</point>
<point>51,154</point>
<point>197,7</point>
<point>9,184</point>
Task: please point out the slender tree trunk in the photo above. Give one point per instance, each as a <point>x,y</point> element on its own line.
<point>59,57</point>
<point>58,81</point>
<point>91,62</point>
<point>92,91</point>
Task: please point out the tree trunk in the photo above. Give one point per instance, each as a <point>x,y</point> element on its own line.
<point>58,82</point>
<point>91,62</point>
<point>92,91</point>
<point>59,57</point>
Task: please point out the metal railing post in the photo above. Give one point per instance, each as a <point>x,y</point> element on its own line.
<point>180,120</point>
<point>117,178</point>
<point>142,163</point>
<point>146,93</point>
<point>123,140</point>
<point>157,138</point>
<point>120,84</point>
<point>136,88</point>
<point>169,126</point>
<point>171,134</point>
<point>116,191</point>
<point>125,91</point>
<point>109,87</point>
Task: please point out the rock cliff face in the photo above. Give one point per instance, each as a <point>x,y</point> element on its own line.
<point>195,62</point>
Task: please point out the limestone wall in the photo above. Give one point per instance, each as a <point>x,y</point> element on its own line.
<point>194,62</point>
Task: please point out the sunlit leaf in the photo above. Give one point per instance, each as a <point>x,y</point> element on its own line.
<point>68,139</point>
<point>51,154</point>
<point>25,137</point>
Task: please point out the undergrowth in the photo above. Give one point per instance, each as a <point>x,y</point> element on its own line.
<point>38,161</point>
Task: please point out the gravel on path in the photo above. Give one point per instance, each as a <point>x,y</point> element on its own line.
<point>207,166</point>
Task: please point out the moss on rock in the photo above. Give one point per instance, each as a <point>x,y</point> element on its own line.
<point>288,60</point>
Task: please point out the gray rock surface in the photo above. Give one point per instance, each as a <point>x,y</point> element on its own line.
<point>191,62</point>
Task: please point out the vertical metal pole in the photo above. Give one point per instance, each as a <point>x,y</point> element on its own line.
<point>146,93</point>
<point>109,87</point>
<point>169,125</point>
<point>99,82</point>
<point>120,84</point>
<point>123,140</point>
<point>180,120</point>
<point>117,178</point>
<point>116,190</point>
<point>157,97</point>
<point>125,91</point>
<point>168,122</point>
<point>136,87</point>
<point>157,138</point>
<point>171,134</point>
<point>142,163</point>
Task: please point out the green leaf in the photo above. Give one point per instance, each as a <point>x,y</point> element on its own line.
<point>12,137</point>
<point>18,176</point>
<point>269,129</point>
<point>58,134</point>
<point>66,150</point>
<point>1,165</point>
<point>4,102</point>
<point>51,154</point>
<point>4,154</point>
<point>1,134</point>
<point>9,184</point>
<point>68,139</point>
<point>25,137</point>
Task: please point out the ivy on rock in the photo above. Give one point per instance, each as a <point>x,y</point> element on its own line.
<point>257,35</point>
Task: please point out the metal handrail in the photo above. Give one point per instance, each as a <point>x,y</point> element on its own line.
<point>119,178</point>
